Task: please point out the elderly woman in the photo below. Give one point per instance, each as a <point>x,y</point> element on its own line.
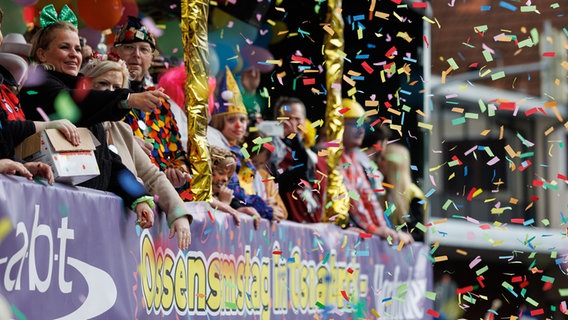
<point>104,74</point>
<point>56,47</point>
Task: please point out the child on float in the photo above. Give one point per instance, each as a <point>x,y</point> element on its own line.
<point>229,117</point>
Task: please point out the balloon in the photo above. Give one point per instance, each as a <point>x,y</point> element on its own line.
<point>31,15</point>
<point>130,9</point>
<point>93,36</point>
<point>25,3</point>
<point>100,15</point>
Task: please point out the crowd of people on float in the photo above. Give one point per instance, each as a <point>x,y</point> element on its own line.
<point>276,173</point>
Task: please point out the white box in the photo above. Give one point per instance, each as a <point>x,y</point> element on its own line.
<point>70,164</point>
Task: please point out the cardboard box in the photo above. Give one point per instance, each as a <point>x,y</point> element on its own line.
<point>71,164</point>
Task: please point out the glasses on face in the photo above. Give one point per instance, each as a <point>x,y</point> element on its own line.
<point>131,48</point>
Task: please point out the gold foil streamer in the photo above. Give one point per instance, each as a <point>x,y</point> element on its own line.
<point>336,193</point>
<point>194,15</point>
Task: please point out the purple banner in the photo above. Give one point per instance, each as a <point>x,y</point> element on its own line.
<point>73,253</point>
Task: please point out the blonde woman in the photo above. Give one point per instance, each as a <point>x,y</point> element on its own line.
<point>402,192</point>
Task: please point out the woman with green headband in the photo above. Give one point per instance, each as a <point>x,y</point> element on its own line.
<point>56,88</point>
<point>57,49</point>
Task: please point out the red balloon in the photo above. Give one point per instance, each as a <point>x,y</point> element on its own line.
<point>100,14</point>
<point>130,9</point>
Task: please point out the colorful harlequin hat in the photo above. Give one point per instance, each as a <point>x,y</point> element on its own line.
<point>230,100</point>
<point>355,111</point>
<point>134,31</point>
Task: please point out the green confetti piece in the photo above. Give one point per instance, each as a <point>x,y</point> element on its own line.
<point>458,121</point>
<point>563,292</point>
<point>507,286</point>
<point>469,299</point>
<point>535,36</point>
<point>471,115</point>
<point>231,305</point>
<point>406,108</point>
<point>481,28</point>
<point>482,270</point>
<point>526,43</point>
<point>66,108</point>
<point>482,105</point>
<point>447,204</point>
<point>430,295</point>
<point>553,254</point>
<point>528,8</point>
<point>17,313</point>
<point>453,63</point>
<point>547,279</point>
<point>325,259</point>
<point>531,301</point>
<point>545,222</point>
<point>353,195</point>
<point>487,55</point>
<point>31,92</point>
<point>453,163</point>
<point>491,110</point>
<point>402,287</point>
<point>527,154</point>
<point>319,305</point>
<point>498,75</point>
<point>245,152</point>
<point>421,227</point>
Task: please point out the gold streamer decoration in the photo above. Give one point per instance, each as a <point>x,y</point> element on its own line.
<point>194,15</point>
<point>337,201</point>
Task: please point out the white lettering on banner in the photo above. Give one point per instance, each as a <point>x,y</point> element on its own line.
<point>102,292</point>
<point>407,295</point>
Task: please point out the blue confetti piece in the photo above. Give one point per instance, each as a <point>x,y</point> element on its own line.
<point>485,8</point>
<point>413,167</point>
<point>362,253</point>
<point>359,17</point>
<point>508,6</point>
<point>528,222</point>
<point>430,192</point>
<point>208,230</point>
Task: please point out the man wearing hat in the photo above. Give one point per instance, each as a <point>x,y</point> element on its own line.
<point>365,212</point>
<point>13,71</point>
<point>136,45</point>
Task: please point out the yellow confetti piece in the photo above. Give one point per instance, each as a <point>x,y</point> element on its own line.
<point>439,221</point>
<point>429,126</point>
<point>441,258</point>
<point>375,313</point>
<point>5,228</point>
<point>462,252</point>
